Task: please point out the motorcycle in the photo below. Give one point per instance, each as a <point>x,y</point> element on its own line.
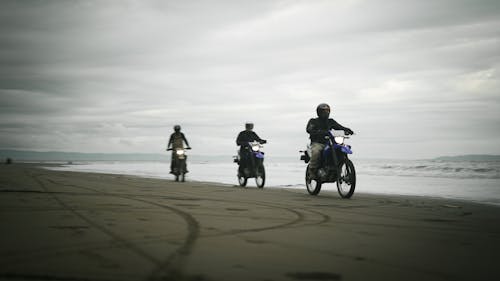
<point>335,166</point>
<point>179,158</point>
<point>255,164</point>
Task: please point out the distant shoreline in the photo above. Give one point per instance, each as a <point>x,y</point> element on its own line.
<point>28,155</point>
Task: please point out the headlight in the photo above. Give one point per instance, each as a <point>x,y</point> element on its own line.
<point>179,151</point>
<point>255,147</point>
<point>339,140</point>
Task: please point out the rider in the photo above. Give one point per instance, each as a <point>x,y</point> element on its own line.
<point>244,137</point>
<point>177,140</point>
<point>318,128</point>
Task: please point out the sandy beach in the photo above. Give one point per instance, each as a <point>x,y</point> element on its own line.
<point>81,226</point>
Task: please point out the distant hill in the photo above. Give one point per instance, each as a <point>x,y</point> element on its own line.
<point>471,157</point>
<point>20,155</point>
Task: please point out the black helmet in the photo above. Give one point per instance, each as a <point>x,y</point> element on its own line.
<point>177,128</point>
<point>249,126</point>
<point>323,111</point>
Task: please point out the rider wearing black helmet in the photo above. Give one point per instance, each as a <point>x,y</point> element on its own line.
<point>318,129</point>
<point>244,137</point>
<point>176,140</point>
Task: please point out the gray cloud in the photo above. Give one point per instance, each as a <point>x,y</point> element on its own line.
<point>413,78</point>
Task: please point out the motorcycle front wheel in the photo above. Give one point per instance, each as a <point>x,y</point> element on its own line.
<point>260,178</point>
<point>181,168</point>
<point>346,182</point>
<point>313,186</point>
<point>242,180</point>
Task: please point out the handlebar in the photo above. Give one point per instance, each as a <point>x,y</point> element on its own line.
<point>343,134</point>
<point>252,142</point>
<point>186,148</point>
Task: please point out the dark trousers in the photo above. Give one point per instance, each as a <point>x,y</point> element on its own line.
<point>245,160</point>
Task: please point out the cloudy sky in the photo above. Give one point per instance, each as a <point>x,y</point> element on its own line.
<point>413,79</point>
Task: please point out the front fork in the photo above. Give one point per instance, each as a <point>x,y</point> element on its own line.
<point>180,164</point>
<point>336,163</point>
<point>336,160</point>
<point>250,163</point>
<point>256,163</point>
<point>252,160</point>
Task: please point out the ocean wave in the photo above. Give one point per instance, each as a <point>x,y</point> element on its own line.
<point>486,170</point>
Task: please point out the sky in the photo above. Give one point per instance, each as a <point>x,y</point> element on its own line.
<point>413,79</point>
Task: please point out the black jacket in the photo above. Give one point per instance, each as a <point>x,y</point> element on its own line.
<point>176,140</point>
<point>247,136</point>
<point>318,128</point>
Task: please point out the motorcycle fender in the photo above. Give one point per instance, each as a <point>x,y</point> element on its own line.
<point>346,149</point>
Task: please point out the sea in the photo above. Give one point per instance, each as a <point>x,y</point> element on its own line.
<point>470,180</point>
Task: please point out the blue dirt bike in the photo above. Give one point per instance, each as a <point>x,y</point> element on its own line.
<point>335,166</point>
<point>253,166</point>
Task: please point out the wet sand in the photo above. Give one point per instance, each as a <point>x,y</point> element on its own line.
<point>82,226</point>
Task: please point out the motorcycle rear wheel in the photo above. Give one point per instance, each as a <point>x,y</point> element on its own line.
<point>346,182</point>
<point>260,178</point>
<point>313,186</point>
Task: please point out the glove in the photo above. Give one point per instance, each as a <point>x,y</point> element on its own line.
<point>348,131</point>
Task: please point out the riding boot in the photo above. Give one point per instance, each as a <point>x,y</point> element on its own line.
<point>313,173</point>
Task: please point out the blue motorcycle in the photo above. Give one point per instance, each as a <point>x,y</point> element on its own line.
<point>251,164</point>
<point>335,166</point>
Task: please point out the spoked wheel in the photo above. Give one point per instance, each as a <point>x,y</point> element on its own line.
<point>347,179</point>
<point>181,171</point>
<point>242,180</point>
<point>313,186</point>
<point>260,178</point>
